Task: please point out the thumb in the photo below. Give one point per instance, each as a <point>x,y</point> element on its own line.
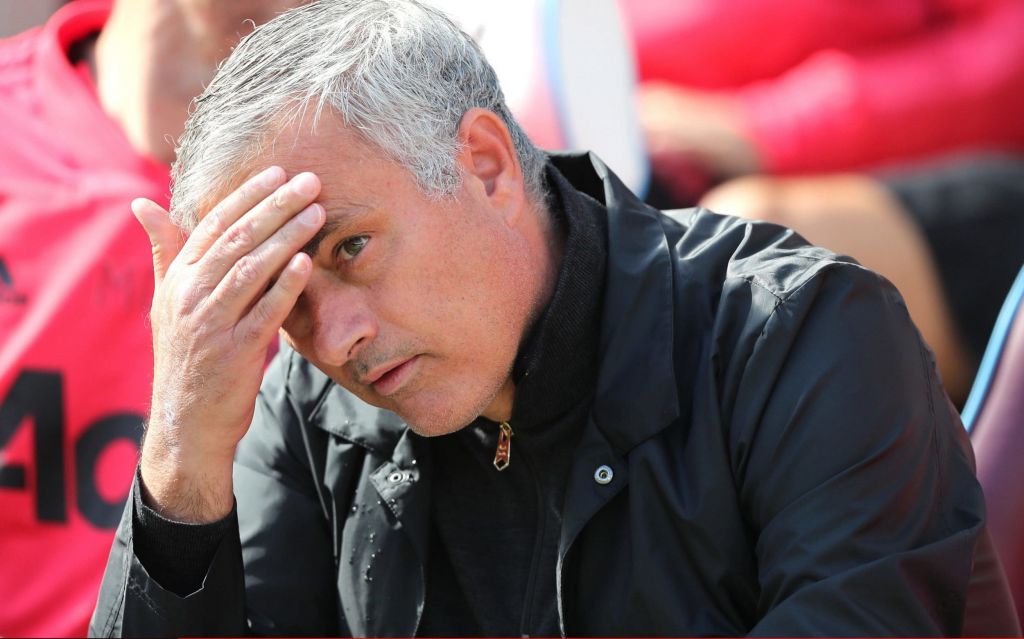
<point>164,236</point>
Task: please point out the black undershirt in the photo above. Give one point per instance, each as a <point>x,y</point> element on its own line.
<point>494,535</point>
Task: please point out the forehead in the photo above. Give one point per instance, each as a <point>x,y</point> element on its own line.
<point>352,171</point>
<point>345,161</point>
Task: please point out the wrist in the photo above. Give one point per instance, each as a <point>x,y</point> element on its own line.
<point>186,486</point>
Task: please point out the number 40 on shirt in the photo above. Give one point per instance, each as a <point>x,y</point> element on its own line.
<point>37,400</point>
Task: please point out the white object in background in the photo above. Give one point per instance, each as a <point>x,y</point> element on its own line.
<point>567,70</point>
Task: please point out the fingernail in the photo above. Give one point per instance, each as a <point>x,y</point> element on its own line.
<point>270,177</point>
<point>304,184</point>
<point>310,215</point>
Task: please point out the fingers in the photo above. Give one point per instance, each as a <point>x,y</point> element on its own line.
<point>248,276</point>
<point>165,238</point>
<point>262,222</point>
<point>244,242</point>
<point>271,310</point>
<point>230,209</point>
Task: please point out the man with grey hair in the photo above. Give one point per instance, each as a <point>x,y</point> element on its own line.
<point>514,400</point>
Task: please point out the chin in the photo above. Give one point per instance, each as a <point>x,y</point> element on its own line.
<point>436,418</point>
<point>434,426</point>
<point>434,411</point>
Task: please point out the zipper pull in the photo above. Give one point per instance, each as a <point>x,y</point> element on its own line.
<point>504,452</point>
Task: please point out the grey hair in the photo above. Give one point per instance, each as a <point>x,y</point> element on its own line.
<point>398,72</point>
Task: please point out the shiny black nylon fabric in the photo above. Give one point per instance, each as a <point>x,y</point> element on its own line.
<point>784,460</point>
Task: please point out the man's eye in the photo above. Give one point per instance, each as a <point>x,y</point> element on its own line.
<point>348,249</point>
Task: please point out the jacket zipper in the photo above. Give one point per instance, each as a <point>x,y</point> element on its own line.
<point>529,601</point>
<point>503,455</point>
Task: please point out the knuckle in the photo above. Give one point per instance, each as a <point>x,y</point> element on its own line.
<point>251,190</point>
<point>239,237</point>
<point>213,220</point>
<point>254,334</point>
<point>253,331</point>
<point>261,314</point>
<point>279,201</point>
<point>247,270</point>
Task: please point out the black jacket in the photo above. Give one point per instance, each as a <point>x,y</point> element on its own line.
<point>770,451</point>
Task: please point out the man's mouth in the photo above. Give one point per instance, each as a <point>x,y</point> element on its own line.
<point>389,378</point>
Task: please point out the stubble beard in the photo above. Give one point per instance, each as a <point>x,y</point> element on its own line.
<point>447,418</point>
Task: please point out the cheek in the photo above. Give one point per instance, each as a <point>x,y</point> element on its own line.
<point>486,312</point>
<point>436,280</point>
<point>462,289</point>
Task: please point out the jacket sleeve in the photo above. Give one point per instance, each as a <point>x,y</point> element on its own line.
<point>955,85</point>
<point>853,468</point>
<point>134,604</point>
<point>285,585</point>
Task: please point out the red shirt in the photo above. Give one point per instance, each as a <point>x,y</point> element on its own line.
<point>841,84</point>
<point>75,348</point>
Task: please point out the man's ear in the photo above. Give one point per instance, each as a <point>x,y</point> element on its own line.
<point>489,162</point>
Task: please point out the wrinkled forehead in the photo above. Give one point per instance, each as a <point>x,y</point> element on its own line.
<point>343,160</point>
<point>308,145</point>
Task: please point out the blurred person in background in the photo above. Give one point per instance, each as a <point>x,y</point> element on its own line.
<point>834,92</point>
<point>89,104</point>
<point>733,87</point>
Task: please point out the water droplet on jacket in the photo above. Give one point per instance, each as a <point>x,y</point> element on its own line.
<point>372,536</point>
<point>355,509</point>
<point>413,462</point>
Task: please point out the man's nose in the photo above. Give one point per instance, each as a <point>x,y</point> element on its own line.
<point>333,325</point>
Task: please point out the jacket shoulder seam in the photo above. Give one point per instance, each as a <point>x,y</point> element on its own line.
<point>809,276</point>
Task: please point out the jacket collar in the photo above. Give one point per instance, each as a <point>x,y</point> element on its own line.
<point>638,322</point>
